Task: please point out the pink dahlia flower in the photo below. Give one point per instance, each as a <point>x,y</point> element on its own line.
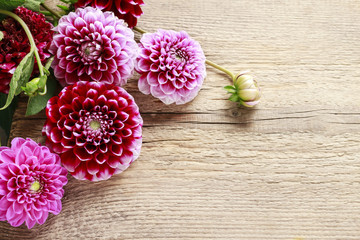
<point>15,44</point>
<point>96,128</point>
<point>92,45</point>
<point>129,10</point>
<point>172,66</point>
<point>31,183</point>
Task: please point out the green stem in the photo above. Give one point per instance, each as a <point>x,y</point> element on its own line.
<point>220,68</point>
<point>139,30</point>
<point>30,37</point>
<point>55,14</point>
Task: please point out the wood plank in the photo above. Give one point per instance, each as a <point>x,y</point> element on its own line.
<point>209,170</point>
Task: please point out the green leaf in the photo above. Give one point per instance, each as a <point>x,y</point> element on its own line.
<point>48,63</point>
<point>1,35</point>
<point>46,13</point>
<point>63,7</point>
<point>20,77</point>
<point>230,89</point>
<point>23,72</point>
<point>6,115</point>
<point>33,4</point>
<point>38,103</point>
<point>234,98</point>
<point>10,5</point>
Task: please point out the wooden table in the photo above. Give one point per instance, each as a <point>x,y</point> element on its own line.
<point>209,170</point>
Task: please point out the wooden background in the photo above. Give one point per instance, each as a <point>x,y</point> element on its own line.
<point>209,170</point>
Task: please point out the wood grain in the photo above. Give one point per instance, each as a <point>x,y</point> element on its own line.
<point>209,170</point>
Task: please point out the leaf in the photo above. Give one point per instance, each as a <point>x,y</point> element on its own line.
<point>33,4</point>
<point>10,5</point>
<point>63,7</point>
<point>1,35</point>
<point>23,72</point>
<point>20,77</point>
<point>46,13</point>
<point>6,115</point>
<point>38,103</point>
<point>234,98</point>
<point>48,63</point>
<point>230,89</point>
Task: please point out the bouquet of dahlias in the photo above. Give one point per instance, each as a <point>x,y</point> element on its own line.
<point>86,51</point>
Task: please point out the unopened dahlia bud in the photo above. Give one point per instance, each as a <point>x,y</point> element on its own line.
<point>31,87</point>
<point>245,90</point>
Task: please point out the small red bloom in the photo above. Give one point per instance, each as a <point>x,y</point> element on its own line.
<point>95,127</point>
<point>15,44</point>
<point>129,10</point>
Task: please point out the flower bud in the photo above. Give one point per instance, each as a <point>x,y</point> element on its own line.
<point>31,87</point>
<point>245,90</point>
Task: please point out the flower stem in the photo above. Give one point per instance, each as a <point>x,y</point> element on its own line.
<point>220,68</point>
<point>55,14</point>
<point>139,30</point>
<point>29,35</point>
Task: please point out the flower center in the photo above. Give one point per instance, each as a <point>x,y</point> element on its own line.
<point>95,125</point>
<point>35,186</point>
<point>180,55</point>
<point>90,51</point>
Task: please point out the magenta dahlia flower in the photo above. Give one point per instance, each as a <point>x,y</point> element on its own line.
<point>93,46</point>
<point>172,66</point>
<point>31,183</point>
<point>129,10</point>
<point>95,127</point>
<point>15,44</point>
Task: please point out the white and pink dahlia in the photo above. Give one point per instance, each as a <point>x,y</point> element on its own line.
<point>31,183</point>
<point>95,127</point>
<point>92,45</point>
<point>172,66</point>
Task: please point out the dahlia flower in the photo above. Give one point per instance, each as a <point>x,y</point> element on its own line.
<point>31,183</point>
<point>93,46</point>
<point>172,66</point>
<point>129,10</point>
<point>15,44</point>
<point>95,127</point>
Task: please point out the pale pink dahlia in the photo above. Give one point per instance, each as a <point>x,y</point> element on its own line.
<point>172,66</point>
<point>31,183</point>
<point>95,127</point>
<point>92,45</point>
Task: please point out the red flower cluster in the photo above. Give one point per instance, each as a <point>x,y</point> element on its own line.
<point>129,10</point>
<point>15,44</point>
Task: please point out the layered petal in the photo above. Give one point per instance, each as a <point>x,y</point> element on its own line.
<point>172,66</point>
<point>92,45</point>
<point>103,126</point>
<point>129,10</point>
<point>31,183</point>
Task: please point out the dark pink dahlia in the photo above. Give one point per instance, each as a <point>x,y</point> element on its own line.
<point>31,183</point>
<point>96,128</point>
<point>172,66</point>
<point>129,10</point>
<point>15,44</point>
<point>93,46</point>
